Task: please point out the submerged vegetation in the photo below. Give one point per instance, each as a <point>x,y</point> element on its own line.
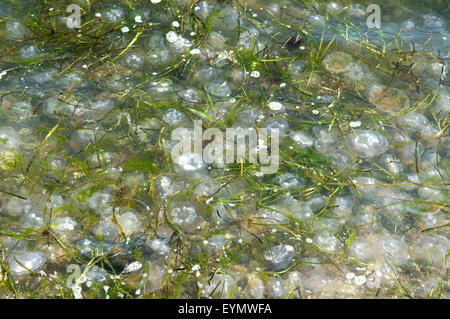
<point>93,206</point>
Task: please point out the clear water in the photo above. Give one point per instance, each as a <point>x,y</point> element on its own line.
<point>93,204</point>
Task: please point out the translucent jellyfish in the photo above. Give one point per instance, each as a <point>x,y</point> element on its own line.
<point>216,41</point>
<point>357,10</point>
<point>227,19</point>
<point>302,139</point>
<point>107,230</point>
<point>434,22</point>
<point>366,185</point>
<point>190,162</point>
<point>101,107</point>
<point>430,249</point>
<point>316,202</point>
<point>391,163</point>
<point>173,117</point>
<point>429,287</point>
<point>248,39</point>
<point>390,100</point>
<point>429,133</point>
<point>366,219</point>
<point>44,76</point>
<point>177,43</point>
<point>23,109</point>
<point>191,95</point>
<point>355,72</point>
<point>202,10</point>
<point>249,115</point>
<point>295,285</point>
<point>87,247</point>
<point>280,256</point>
<point>29,52</point>
<point>366,143</point>
<point>113,14</point>
<point>156,40</point>
<point>409,152</point>
<point>442,104</point>
<point>303,212</point>
<point>183,215</point>
<point>66,227</point>
<point>221,286</point>
<point>332,225</point>
<point>276,288</point>
<point>217,243</point>
<point>327,241</point>
<point>129,222</point>
<point>337,62</point>
<point>57,163</point>
<point>80,138</point>
<point>430,158</point>
<point>340,159</point>
<point>361,249</point>
<point>68,80</point>
<point>289,181</point>
<point>380,275</point>
<point>9,138</point>
<point>16,206</point>
<point>275,214</point>
<point>413,179</point>
<point>219,88</point>
<point>33,218</point>
<point>413,121</point>
<point>99,200</point>
<point>8,159</point>
<point>163,186</point>
<point>296,68</point>
<point>428,219</point>
<point>155,276</point>
<point>207,188</point>
<point>391,248</point>
<point>94,274</point>
<point>56,106</point>
<point>408,25</point>
<point>343,207</point>
<point>326,141</point>
<point>159,247</point>
<point>205,73</point>
<point>25,262</point>
<point>134,60</point>
<point>277,123</point>
<point>317,281</point>
<point>255,287</point>
<point>16,28</point>
<point>11,244</point>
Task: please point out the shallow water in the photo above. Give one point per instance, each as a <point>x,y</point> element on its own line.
<point>94,204</point>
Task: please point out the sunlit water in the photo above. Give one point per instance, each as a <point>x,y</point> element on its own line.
<point>93,204</point>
